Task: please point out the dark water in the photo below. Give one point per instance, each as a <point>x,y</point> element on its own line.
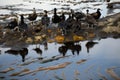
<point>100,55</point>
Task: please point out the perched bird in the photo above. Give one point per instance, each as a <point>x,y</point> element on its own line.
<point>56,18</point>
<point>90,19</point>
<point>22,25</point>
<point>79,15</point>
<point>32,16</point>
<point>90,44</point>
<point>62,16</point>
<point>12,24</point>
<point>68,24</point>
<point>45,19</point>
<point>97,14</point>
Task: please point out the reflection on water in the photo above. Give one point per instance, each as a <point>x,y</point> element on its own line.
<point>70,46</point>
<point>22,52</point>
<point>90,44</point>
<point>92,66</point>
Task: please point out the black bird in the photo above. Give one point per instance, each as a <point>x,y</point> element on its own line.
<point>45,19</point>
<point>22,25</point>
<point>90,44</point>
<point>12,24</point>
<point>97,14</point>
<point>56,18</point>
<point>32,16</point>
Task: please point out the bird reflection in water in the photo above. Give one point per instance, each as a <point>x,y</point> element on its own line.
<point>38,50</point>
<point>90,44</point>
<point>70,46</point>
<point>23,53</point>
<point>45,45</point>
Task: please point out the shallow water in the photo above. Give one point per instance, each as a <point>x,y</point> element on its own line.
<point>101,56</point>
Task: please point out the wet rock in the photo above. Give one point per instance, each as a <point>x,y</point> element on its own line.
<point>78,38</point>
<point>111,29</point>
<point>59,38</point>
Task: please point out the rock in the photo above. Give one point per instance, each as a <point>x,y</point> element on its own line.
<point>29,40</point>
<point>59,38</point>
<point>78,38</point>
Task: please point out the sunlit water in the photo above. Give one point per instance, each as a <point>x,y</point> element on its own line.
<point>104,55</point>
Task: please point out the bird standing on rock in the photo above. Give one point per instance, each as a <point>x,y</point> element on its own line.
<point>90,19</point>
<point>12,24</point>
<point>22,25</point>
<point>97,14</point>
<point>55,18</point>
<point>32,16</point>
<point>45,19</point>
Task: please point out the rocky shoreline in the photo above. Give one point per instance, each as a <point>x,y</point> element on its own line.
<point>107,27</point>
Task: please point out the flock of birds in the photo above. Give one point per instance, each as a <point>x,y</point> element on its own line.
<point>72,22</point>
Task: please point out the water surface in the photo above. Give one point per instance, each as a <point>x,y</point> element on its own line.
<point>99,57</point>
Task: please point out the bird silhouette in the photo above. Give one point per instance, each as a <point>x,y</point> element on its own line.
<point>22,25</point>
<point>56,18</point>
<point>97,14</point>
